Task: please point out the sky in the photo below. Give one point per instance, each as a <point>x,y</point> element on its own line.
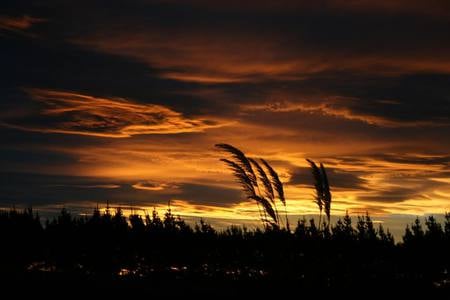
<point>123,102</point>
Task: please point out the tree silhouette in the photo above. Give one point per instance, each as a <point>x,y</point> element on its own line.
<point>110,246</point>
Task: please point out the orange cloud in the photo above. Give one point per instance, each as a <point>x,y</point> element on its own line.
<point>72,113</point>
<point>410,182</point>
<point>154,186</point>
<point>331,106</point>
<point>205,56</point>
<point>226,54</point>
<point>192,57</point>
<point>18,24</point>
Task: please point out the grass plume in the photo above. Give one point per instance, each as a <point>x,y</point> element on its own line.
<point>326,193</point>
<point>243,168</point>
<point>322,189</point>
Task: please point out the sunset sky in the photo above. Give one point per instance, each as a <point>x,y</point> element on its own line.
<point>124,101</point>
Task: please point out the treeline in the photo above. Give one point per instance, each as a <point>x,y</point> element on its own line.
<point>111,246</point>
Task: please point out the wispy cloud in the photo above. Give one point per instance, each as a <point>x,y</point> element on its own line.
<point>154,186</point>
<point>18,23</point>
<point>304,41</point>
<point>340,107</point>
<point>74,113</point>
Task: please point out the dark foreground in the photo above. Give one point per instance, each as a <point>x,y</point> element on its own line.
<point>164,256</point>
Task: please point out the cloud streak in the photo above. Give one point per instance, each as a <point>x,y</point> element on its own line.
<point>18,24</point>
<point>300,39</point>
<point>341,107</point>
<point>73,113</point>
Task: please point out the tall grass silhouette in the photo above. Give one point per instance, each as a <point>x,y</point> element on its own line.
<point>263,185</point>
<point>322,190</point>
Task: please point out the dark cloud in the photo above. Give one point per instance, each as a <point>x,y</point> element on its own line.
<point>24,189</point>
<point>210,195</point>
<point>339,179</point>
<point>411,159</point>
<point>396,194</point>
